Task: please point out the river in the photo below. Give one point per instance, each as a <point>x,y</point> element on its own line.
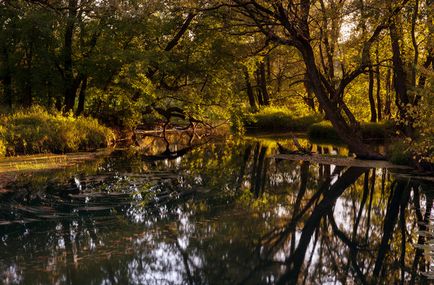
<point>224,211</point>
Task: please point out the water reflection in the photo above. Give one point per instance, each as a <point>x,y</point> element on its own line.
<point>220,213</point>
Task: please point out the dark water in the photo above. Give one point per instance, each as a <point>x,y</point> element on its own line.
<point>217,213</point>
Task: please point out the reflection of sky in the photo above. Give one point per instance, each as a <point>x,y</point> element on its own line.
<point>169,264</point>
<point>165,243</point>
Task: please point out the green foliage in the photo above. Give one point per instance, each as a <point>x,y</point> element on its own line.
<point>399,153</point>
<point>2,141</point>
<point>125,58</point>
<point>238,121</point>
<point>93,134</point>
<point>377,131</point>
<point>38,131</point>
<point>278,119</point>
<point>324,131</point>
<point>115,108</point>
<point>422,118</point>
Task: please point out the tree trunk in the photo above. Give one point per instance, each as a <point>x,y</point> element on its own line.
<point>27,99</point>
<point>70,93</point>
<point>422,78</point>
<point>263,84</point>
<point>249,90</point>
<point>399,74</point>
<point>388,104</point>
<point>371,96</point>
<point>309,98</point>
<point>414,41</point>
<point>82,96</point>
<point>263,97</point>
<point>350,135</point>
<point>7,78</point>
<point>258,88</point>
<point>378,79</point>
<point>430,47</point>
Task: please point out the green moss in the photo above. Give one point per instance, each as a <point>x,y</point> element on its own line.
<point>276,119</point>
<point>38,131</point>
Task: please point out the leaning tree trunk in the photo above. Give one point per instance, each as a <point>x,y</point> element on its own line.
<point>350,135</point>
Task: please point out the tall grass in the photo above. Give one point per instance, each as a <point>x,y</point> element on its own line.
<point>38,131</point>
<point>399,153</point>
<point>324,131</point>
<point>279,119</point>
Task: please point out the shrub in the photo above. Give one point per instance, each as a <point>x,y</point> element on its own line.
<point>95,135</point>
<point>279,119</point>
<point>37,131</point>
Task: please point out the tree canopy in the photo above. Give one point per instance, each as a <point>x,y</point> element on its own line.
<point>131,63</point>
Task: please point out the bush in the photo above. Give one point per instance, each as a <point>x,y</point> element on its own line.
<point>37,131</point>
<point>275,119</point>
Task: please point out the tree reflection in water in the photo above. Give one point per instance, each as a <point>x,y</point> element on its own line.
<point>218,214</point>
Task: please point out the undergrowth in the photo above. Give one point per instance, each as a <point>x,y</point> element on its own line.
<point>36,130</point>
<point>279,119</point>
<point>324,131</point>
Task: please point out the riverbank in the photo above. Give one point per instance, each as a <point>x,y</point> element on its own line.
<point>37,130</point>
<point>398,149</point>
<point>282,120</point>
<point>12,168</point>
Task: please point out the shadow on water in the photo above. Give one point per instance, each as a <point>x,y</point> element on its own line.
<point>215,213</point>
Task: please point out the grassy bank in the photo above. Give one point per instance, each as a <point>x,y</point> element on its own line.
<point>374,132</point>
<point>275,119</point>
<point>39,131</point>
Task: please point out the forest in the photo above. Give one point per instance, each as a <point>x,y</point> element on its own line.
<point>216,142</point>
<point>86,71</point>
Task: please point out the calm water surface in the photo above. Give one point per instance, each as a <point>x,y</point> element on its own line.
<point>215,213</point>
